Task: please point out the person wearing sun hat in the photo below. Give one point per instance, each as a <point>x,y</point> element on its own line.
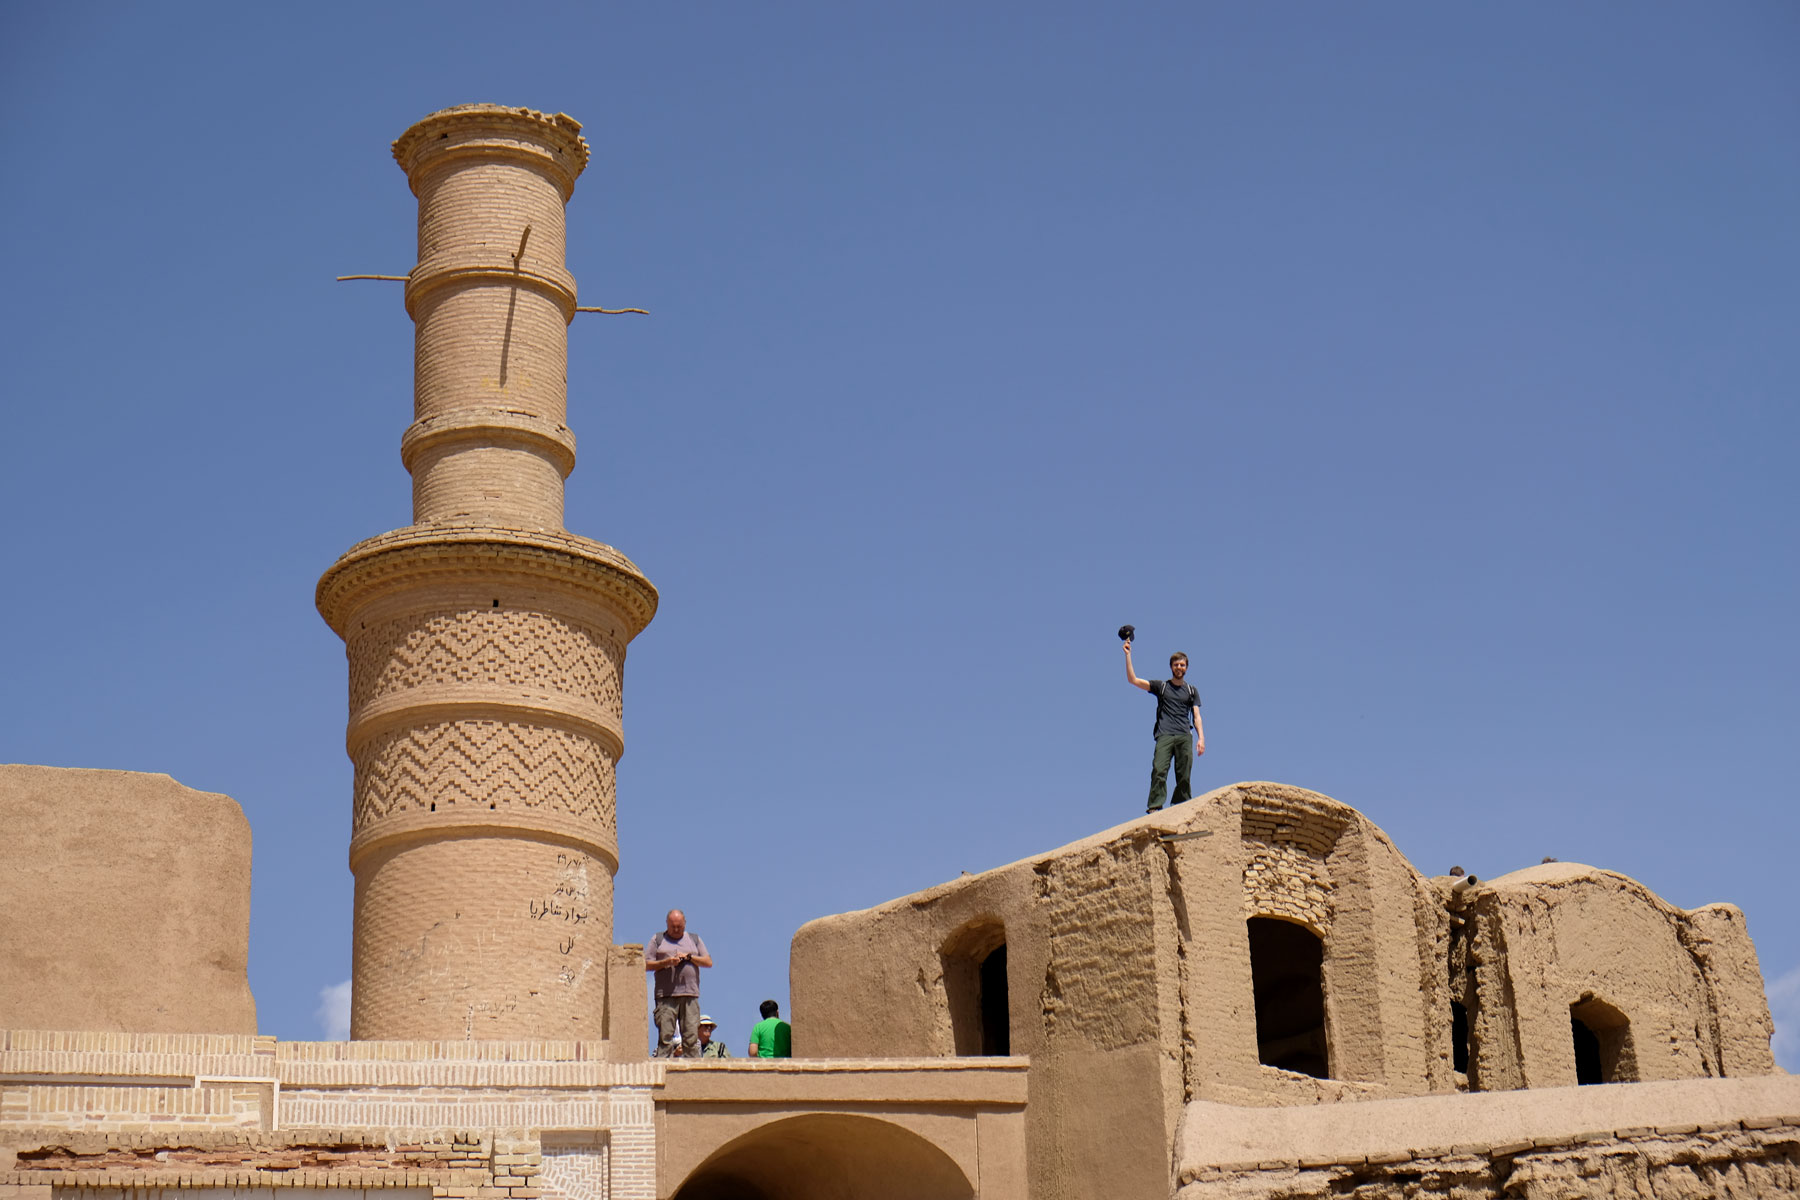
<point>708,1047</point>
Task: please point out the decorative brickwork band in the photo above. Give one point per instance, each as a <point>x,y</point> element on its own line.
<point>490,646</point>
<point>484,774</point>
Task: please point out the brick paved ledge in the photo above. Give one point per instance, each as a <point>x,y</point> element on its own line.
<point>997,1082</point>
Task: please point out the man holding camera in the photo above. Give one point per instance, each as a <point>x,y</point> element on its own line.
<point>1177,717</point>
<point>676,956</point>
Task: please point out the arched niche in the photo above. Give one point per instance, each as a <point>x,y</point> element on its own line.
<point>827,1156</point>
<point>975,988</point>
<point>1604,1052</point>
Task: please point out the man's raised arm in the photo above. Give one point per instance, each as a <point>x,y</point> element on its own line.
<point>1140,684</point>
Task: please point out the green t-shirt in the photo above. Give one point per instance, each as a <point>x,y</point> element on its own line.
<point>774,1038</point>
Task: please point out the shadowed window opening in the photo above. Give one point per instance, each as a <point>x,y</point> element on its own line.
<point>1459,1036</point>
<point>1288,981</point>
<point>974,962</point>
<point>1604,1052</point>
<point>1587,1053</point>
<point>996,1036</point>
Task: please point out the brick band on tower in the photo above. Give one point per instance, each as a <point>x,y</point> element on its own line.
<point>486,645</point>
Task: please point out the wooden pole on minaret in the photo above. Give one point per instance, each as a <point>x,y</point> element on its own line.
<point>485,643</point>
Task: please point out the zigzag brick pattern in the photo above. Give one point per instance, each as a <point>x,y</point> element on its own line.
<point>482,765</point>
<point>535,649</point>
<point>575,1172</point>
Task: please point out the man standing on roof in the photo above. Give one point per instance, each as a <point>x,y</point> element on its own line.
<point>1177,716</point>
<point>676,956</point>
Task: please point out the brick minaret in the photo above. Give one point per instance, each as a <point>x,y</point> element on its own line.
<point>485,643</point>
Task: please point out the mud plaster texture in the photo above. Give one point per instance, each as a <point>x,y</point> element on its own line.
<point>125,901</point>
<point>1670,994</point>
<point>1696,1138</point>
<point>1129,981</point>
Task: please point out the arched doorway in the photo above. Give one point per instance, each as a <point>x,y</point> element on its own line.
<point>1604,1052</point>
<point>975,993</point>
<point>1287,975</point>
<point>827,1156</point>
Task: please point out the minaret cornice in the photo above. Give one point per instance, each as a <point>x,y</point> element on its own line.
<point>552,142</point>
<point>404,559</point>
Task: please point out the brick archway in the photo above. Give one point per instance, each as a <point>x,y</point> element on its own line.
<point>827,1156</point>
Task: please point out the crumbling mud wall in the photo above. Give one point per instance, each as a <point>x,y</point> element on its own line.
<point>124,904</point>
<point>1574,974</point>
<point>1382,934</point>
<point>1083,946</point>
<point>1736,1138</point>
<point>1126,966</point>
<point>1744,1161</point>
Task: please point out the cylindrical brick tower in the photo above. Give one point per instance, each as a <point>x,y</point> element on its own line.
<point>485,643</point>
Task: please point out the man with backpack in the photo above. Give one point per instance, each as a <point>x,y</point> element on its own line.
<point>676,956</point>
<point>1177,716</point>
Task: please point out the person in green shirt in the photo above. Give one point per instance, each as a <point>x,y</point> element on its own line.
<point>771,1037</point>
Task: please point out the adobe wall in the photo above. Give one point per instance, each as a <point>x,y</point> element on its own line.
<point>1098,1023</point>
<point>124,903</point>
<point>1671,994</point>
<point>1128,974</point>
<point>1129,979</point>
<point>1305,859</point>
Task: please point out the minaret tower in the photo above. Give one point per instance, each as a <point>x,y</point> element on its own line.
<point>485,643</point>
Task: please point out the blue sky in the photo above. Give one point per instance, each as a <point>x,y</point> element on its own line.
<point>1426,372</point>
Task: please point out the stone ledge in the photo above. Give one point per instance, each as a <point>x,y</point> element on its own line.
<point>838,1065</point>
<point>997,1082</point>
<point>75,1059</point>
<point>1494,1124</point>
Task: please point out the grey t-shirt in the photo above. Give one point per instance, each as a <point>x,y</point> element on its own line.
<point>1174,702</point>
<point>676,981</point>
